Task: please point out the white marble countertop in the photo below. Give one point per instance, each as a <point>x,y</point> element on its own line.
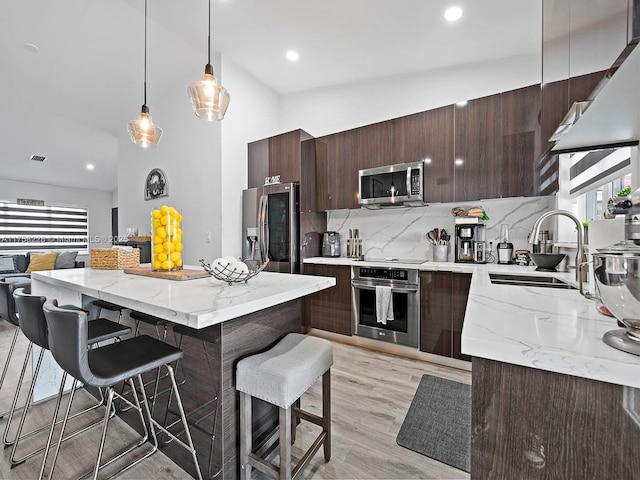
<point>550,329</point>
<point>196,303</point>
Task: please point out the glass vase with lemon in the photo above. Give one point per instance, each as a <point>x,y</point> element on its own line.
<point>166,228</point>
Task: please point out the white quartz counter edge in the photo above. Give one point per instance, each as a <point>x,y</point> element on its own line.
<point>549,329</point>
<point>196,303</point>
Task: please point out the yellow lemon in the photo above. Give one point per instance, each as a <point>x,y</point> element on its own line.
<point>157,264</point>
<point>157,239</point>
<point>156,223</point>
<point>178,247</point>
<point>164,220</point>
<point>156,213</point>
<point>162,256</point>
<point>178,262</point>
<point>164,209</point>
<point>158,248</point>
<point>167,246</point>
<point>161,232</point>
<point>174,256</point>
<point>171,264</point>
<point>172,211</point>
<point>165,265</point>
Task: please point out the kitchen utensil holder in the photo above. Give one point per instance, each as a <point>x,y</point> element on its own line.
<point>230,275</point>
<point>440,253</point>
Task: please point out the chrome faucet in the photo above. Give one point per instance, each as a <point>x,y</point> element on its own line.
<point>580,256</point>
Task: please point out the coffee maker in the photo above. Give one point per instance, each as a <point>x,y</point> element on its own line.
<point>470,243</point>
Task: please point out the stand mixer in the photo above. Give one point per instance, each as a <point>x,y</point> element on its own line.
<point>617,275</point>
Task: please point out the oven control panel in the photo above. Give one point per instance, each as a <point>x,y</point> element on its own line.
<point>385,273</point>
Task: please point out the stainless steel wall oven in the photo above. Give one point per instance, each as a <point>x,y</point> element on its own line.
<point>405,292</point>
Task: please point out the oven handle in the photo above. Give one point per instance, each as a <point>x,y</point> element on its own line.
<point>368,286</point>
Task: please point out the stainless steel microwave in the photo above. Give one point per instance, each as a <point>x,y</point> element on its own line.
<point>399,185</point>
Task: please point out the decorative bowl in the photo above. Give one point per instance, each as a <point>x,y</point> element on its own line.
<point>547,262</point>
<point>232,274</point>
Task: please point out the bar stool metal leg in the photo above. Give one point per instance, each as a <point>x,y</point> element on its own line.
<point>16,333</point>
<point>245,435</point>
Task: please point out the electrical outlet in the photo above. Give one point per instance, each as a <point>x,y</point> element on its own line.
<point>208,237</point>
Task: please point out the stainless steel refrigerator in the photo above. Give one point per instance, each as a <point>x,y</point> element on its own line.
<point>271,226</point>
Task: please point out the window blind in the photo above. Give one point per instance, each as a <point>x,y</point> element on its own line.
<point>31,228</point>
<point>594,168</point>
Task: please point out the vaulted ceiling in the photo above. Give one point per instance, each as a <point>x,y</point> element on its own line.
<point>70,100</point>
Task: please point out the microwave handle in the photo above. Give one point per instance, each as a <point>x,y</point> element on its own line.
<point>409,182</point>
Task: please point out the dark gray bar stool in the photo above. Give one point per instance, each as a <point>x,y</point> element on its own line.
<point>106,366</point>
<point>34,326</point>
<point>104,305</point>
<point>8,313</point>
<point>156,322</point>
<point>280,376</point>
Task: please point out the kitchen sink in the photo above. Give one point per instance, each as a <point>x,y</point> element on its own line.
<point>529,281</point>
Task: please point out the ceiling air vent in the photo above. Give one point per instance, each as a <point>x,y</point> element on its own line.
<point>37,158</point>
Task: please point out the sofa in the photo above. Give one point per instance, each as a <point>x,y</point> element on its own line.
<point>20,265</point>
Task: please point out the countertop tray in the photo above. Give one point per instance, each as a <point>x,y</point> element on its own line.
<point>172,275</point>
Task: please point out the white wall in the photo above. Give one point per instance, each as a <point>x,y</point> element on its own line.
<point>329,110</point>
<point>205,164</point>
<point>190,156</point>
<point>252,115</point>
<point>98,204</point>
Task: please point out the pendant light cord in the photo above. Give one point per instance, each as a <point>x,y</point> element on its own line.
<point>209,36</point>
<point>145,52</point>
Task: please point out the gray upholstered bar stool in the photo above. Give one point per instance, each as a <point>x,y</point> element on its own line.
<point>281,376</point>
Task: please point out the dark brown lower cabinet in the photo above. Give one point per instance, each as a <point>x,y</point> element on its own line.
<point>329,309</point>
<point>443,303</point>
<point>539,425</point>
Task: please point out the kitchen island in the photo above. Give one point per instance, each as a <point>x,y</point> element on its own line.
<point>225,323</point>
<point>550,398</point>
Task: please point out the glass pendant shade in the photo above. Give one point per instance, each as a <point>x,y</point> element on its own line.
<point>143,131</point>
<point>208,98</point>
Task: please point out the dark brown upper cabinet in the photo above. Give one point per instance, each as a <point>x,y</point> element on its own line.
<point>478,149</point>
<point>291,155</point>
<point>520,141</point>
<point>337,167</point>
<point>428,137</point>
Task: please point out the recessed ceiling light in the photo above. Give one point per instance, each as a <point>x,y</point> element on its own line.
<point>31,48</point>
<point>90,166</point>
<point>452,14</point>
<point>462,103</point>
<point>459,162</point>
<point>292,56</point>
<point>427,160</point>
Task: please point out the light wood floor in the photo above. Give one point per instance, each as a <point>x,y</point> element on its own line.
<point>371,393</point>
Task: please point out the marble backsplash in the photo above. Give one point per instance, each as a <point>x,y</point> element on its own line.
<point>401,232</point>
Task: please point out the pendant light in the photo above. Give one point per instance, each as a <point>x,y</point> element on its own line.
<point>208,98</point>
<point>142,130</point>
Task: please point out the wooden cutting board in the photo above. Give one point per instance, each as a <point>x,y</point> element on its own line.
<point>173,275</point>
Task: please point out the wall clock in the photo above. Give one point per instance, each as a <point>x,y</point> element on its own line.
<point>156,185</point>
